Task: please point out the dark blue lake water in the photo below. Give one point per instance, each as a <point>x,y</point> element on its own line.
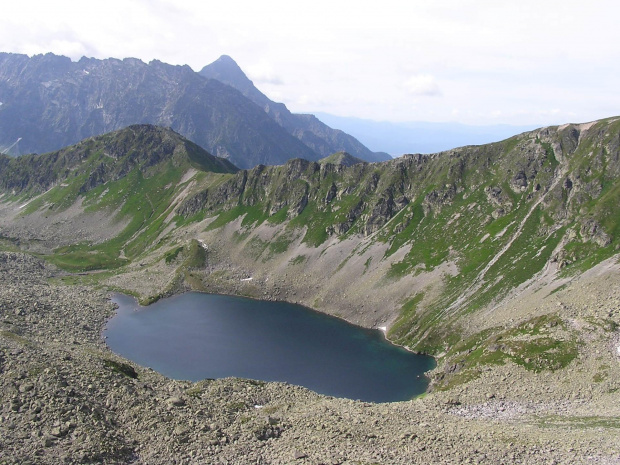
<point>194,336</point>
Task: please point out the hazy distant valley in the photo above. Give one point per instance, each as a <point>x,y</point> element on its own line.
<point>398,138</point>
<point>500,260</point>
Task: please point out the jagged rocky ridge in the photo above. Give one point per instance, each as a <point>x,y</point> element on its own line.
<point>50,102</point>
<point>525,166</point>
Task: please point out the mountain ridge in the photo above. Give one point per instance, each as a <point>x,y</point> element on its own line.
<point>143,146</point>
<point>307,128</point>
<point>51,102</point>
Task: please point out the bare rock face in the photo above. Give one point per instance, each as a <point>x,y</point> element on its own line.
<point>438,198</point>
<point>519,181</point>
<point>592,231</point>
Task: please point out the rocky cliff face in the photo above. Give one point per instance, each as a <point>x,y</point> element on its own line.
<point>51,102</point>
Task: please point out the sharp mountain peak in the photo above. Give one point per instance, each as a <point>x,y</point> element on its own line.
<point>313,133</point>
<point>50,102</point>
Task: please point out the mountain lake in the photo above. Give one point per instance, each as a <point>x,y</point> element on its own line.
<point>194,336</point>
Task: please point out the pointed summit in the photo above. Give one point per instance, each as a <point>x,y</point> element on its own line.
<point>319,137</point>
<point>226,60</point>
<point>341,158</point>
<point>226,70</point>
<point>227,66</point>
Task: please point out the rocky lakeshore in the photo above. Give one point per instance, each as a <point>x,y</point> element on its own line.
<point>67,399</point>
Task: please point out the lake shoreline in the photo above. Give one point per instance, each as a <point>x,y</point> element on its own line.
<point>231,291</point>
<point>53,358</point>
<point>283,318</point>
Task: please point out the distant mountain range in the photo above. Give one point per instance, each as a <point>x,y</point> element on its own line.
<point>419,137</point>
<point>49,102</point>
<point>307,128</point>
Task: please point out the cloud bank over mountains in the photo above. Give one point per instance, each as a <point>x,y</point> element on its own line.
<point>522,62</point>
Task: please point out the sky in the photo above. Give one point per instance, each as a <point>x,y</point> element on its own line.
<point>518,62</point>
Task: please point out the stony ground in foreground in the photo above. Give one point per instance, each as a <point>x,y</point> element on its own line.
<point>65,398</point>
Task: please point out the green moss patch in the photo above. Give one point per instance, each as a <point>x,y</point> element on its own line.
<point>541,344</point>
<point>120,367</point>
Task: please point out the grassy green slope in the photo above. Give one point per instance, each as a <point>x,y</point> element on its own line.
<point>500,212</point>
<point>134,174</point>
<point>341,158</point>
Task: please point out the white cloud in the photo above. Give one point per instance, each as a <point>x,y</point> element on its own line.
<point>263,73</point>
<point>423,84</point>
<point>522,57</point>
